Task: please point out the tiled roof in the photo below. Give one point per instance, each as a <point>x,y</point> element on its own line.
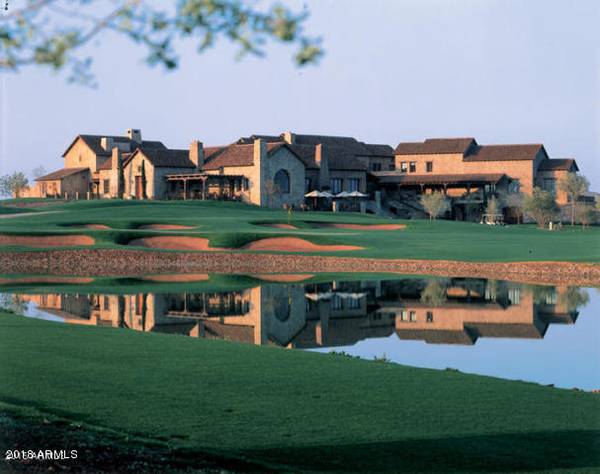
<point>417,179</point>
<point>235,155</point>
<point>503,152</point>
<point>61,174</point>
<point>164,158</point>
<point>556,164</point>
<point>340,158</point>
<point>436,146</point>
<point>94,142</point>
<point>514,330</point>
<point>107,164</point>
<point>380,150</point>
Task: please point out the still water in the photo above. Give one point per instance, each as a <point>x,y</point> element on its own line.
<point>543,334</point>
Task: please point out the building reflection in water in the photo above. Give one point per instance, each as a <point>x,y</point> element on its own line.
<point>441,311</point>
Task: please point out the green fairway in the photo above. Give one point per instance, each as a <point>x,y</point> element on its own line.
<point>291,410</point>
<point>232,225</point>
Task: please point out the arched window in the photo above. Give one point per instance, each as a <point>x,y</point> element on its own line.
<point>282,181</point>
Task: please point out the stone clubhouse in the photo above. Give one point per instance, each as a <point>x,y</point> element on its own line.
<point>306,171</point>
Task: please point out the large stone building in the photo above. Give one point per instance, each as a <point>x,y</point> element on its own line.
<point>279,170</point>
<point>468,173</point>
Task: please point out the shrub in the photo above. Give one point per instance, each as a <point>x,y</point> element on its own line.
<point>435,204</point>
<point>540,206</point>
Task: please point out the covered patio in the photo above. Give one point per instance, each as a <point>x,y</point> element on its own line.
<point>205,186</point>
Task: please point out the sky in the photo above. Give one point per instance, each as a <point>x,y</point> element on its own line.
<point>506,71</point>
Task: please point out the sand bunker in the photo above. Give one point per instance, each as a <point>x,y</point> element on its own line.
<point>174,242</point>
<point>95,226</point>
<point>46,240</point>
<point>166,227</point>
<point>185,277</point>
<point>294,244</point>
<point>42,279</point>
<point>280,225</point>
<point>365,226</point>
<point>292,278</point>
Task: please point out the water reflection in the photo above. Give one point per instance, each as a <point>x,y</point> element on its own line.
<point>330,314</point>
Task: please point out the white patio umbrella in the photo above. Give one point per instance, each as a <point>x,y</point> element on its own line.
<point>325,194</point>
<point>343,194</point>
<point>357,194</point>
<point>313,194</point>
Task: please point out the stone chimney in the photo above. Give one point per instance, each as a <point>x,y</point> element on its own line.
<point>135,135</point>
<point>289,137</point>
<point>106,143</point>
<point>197,154</point>
<point>115,158</point>
<point>322,160</point>
<point>259,178</point>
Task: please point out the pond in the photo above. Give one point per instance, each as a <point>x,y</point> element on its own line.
<point>542,334</point>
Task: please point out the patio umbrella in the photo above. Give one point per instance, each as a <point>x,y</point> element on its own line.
<point>325,194</point>
<point>343,194</point>
<point>314,194</point>
<point>357,194</point>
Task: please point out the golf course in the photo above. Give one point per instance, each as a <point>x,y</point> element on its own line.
<point>226,226</point>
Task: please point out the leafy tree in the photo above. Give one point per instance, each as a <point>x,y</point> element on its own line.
<point>540,206</point>
<point>435,204</point>
<point>574,298</point>
<point>434,293</point>
<point>143,180</point>
<point>38,171</point>
<point>13,184</point>
<point>493,206</point>
<point>120,179</point>
<point>515,201</point>
<point>585,213</point>
<point>573,185</point>
<point>51,33</point>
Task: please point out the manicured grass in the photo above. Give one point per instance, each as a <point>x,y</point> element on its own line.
<point>233,224</point>
<point>291,410</point>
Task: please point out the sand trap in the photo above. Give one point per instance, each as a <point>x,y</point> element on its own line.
<point>283,278</point>
<point>95,226</point>
<point>189,277</point>
<point>365,226</point>
<point>277,225</point>
<point>41,279</point>
<point>294,244</point>
<point>174,242</point>
<point>166,227</point>
<point>46,240</point>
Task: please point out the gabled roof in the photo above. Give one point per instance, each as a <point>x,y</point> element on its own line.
<point>237,155</point>
<point>94,143</point>
<point>504,152</point>
<point>164,158</point>
<point>380,150</point>
<point>61,174</point>
<point>436,146</point>
<point>107,164</point>
<point>559,164</point>
<point>339,157</point>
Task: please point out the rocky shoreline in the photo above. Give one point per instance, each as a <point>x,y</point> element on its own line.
<point>109,262</point>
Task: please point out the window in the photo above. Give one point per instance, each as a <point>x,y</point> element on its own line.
<point>404,315</point>
<point>413,316</point>
<point>490,188</point>
<point>392,167</point>
<point>514,295</point>
<point>336,302</point>
<point>282,181</point>
<point>403,167</point>
<point>514,186</point>
<point>429,166</point>
<point>336,185</point>
<point>307,184</point>
<point>245,184</point>
<point>429,316</point>
<point>106,186</point>
<point>375,166</point>
<point>353,303</point>
<point>413,166</point>
<point>106,303</point>
<point>550,185</point>
<point>353,184</point>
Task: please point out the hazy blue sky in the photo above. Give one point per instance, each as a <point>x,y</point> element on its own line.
<point>501,71</point>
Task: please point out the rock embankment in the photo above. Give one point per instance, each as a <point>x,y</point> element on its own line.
<point>105,262</point>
